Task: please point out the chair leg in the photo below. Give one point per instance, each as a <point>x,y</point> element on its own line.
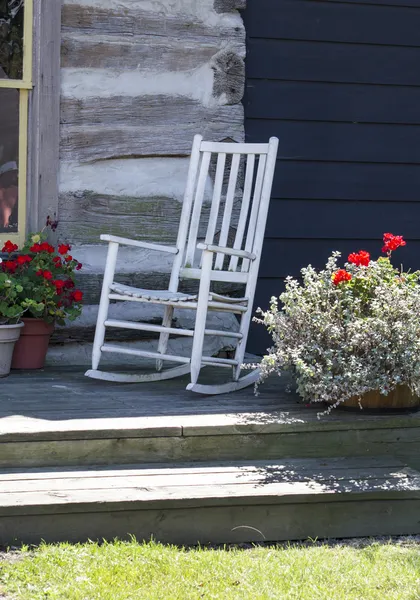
<point>111,262</point>
<point>200,322</point>
<point>164,337</point>
<point>241,346</point>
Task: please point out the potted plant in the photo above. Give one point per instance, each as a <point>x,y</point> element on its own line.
<point>350,336</point>
<point>47,293</point>
<point>11,310</point>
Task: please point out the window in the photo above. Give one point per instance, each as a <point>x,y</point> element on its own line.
<point>16,23</point>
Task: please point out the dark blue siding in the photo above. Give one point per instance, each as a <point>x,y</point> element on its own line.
<point>339,84</point>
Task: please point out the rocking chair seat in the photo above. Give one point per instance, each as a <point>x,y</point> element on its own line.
<point>150,295</point>
<point>167,296</point>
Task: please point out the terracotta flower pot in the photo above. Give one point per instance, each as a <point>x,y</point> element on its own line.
<point>399,399</point>
<point>9,334</point>
<point>31,349</point>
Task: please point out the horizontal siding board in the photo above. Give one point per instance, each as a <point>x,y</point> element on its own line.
<point>346,181</point>
<point>147,53</point>
<point>293,255</point>
<point>337,142</point>
<point>147,110</point>
<point>86,143</point>
<point>334,22</point>
<point>301,100</point>
<point>103,128</point>
<point>84,216</point>
<point>321,61</point>
<point>313,219</point>
<point>81,18</point>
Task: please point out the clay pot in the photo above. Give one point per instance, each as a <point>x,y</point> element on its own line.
<point>400,399</point>
<point>31,349</point>
<point>9,334</point>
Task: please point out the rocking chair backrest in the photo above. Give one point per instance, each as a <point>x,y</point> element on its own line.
<point>250,223</point>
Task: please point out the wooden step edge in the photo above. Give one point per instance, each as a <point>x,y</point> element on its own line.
<point>202,425</point>
<point>188,490</point>
<point>189,503</point>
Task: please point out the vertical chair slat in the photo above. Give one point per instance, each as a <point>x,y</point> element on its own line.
<point>227,216</point>
<point>186,213</point>
<point>255,209</point>
<point>217,195</point>
<point>249,176</point>
<point>196,213</point>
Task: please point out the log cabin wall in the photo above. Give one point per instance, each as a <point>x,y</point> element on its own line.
<point>139,79</point>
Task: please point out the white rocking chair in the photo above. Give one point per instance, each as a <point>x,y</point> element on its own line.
<point>241,267</point>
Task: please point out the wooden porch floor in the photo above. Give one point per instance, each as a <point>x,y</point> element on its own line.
<point>61,405</point>
<point>82,459</point>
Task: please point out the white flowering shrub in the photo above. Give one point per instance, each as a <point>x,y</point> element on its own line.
<point>344,332</point>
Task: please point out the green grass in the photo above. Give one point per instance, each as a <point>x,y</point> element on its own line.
<point>123,571</point>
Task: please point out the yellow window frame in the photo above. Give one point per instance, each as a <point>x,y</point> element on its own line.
<point>24,86</point>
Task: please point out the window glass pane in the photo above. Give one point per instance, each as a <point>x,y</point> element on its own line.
<point>9,153</point>
<point>11,39</point>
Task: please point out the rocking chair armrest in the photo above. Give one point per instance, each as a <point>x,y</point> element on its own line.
<point>139,244</point>
<point>229,251</point>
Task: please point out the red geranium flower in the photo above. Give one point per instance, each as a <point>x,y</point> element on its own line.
<point>24,258</point>
<point>46,247</point>
<point>341,275</point>
<point>59,286</point>
<point>77,296</point>
<point>64,248</point>
<point>392,242</point>
<point>9,247</point>
<point>69,284</point>
<point>68,258</point>
<point>45,274</point>
<point>362,258</point>
<point>57,261</point>
<point>79,266</point>
<point>10,266</point>
<point>35,248</point>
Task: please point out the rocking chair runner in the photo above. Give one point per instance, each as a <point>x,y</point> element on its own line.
<point>238,264</point>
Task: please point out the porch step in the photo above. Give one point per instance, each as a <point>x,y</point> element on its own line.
<point>60,418</point>
<point>112,437</point>
<point>212,502</point>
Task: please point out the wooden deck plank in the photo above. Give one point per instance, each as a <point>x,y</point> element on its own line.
<point>281,483</point>
<point>63,404</point>
<point>261,476</point>
<point>301,492</point>
<point>303,465</point>
<point>196,483</point>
